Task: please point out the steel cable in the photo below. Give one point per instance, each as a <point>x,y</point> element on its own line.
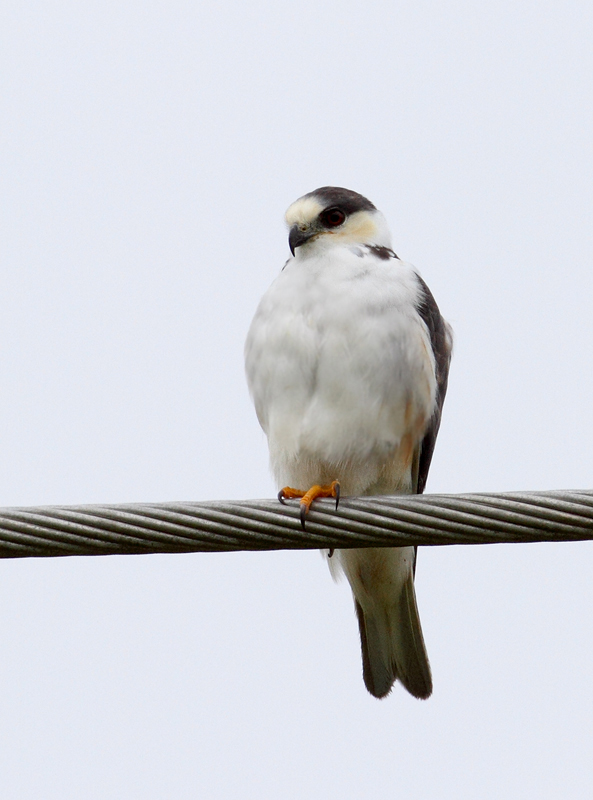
<point>268,525</point>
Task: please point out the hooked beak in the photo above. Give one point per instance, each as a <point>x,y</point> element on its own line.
<point>297,237</point>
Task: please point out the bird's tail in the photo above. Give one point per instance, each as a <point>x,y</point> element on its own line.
<point>390,632</point>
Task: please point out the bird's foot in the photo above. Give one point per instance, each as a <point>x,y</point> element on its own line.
<point>331,490</point>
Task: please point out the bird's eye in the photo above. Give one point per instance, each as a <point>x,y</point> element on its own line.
<point>333,217</point>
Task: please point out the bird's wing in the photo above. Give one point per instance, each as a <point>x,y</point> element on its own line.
<point>382,580</point>
<point>442,344</point>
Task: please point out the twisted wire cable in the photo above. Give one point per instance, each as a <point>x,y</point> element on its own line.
<point>268,525</point>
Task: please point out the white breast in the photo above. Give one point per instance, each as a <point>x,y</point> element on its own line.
<point>341,370</point>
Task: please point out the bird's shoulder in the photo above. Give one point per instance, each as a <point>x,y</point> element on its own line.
<point>339,267</point>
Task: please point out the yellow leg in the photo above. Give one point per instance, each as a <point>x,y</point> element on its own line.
<point>331,490</point>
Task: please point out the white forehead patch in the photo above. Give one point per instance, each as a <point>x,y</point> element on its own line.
<point>303,210</point>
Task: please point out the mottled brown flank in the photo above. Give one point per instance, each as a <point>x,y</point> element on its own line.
<point>406,449</point>
<point>408,412</point>
<point>384,253</point>
<point>346,199</point>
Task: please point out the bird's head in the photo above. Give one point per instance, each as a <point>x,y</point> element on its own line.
<point>332,215</point>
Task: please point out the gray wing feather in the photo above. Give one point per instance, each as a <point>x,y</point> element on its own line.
<point>441,342</point>
<point>391,635</point>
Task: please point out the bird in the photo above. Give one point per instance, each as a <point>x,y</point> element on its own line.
<point>347,361</point>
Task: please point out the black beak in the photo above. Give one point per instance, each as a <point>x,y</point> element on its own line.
<point>297,237</point>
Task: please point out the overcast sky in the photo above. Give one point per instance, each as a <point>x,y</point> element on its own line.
<point>148,152</point>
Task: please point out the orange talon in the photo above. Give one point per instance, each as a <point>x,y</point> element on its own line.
<point>332,490</point>
<point>289,494</point>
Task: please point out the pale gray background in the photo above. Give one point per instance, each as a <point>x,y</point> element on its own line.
<point>148,152</point>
